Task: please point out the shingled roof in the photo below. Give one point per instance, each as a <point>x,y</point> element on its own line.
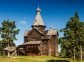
<point>52,32</point>
<point>33,42</point>
<point>10,48</point>
<point>38,18</point>
<point>36,30</point>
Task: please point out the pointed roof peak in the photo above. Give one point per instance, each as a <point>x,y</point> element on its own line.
<point>38,19</point>
<point>38,3</point>
<point>38,8</point>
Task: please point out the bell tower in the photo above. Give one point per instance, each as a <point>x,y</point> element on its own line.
<point>38,22</point>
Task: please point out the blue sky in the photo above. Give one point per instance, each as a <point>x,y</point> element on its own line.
<point>55,13</point>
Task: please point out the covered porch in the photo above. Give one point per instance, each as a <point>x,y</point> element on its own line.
<point>31,48</point>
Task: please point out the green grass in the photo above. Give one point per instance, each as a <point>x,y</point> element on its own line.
<point>34,59</point>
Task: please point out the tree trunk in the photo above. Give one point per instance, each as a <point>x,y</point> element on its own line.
<point>81,52</point>
<point>74,53</point>
<point>8,50</point>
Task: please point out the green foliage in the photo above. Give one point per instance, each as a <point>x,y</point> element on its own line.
<point>8,33</point>
<point>73,36</point>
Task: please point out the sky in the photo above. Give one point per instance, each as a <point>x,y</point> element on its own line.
<point>55,13</point>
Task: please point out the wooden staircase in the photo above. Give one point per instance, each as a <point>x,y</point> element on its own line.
<point>14,53</point>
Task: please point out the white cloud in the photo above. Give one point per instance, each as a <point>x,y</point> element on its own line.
<point>23,22</point>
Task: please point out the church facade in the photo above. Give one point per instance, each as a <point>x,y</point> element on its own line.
<point>38,40</point>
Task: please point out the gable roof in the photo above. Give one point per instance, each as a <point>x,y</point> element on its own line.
<point>52,32</point>
<point>36,30</point>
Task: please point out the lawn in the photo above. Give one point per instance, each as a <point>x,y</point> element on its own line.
<point>35,59</point>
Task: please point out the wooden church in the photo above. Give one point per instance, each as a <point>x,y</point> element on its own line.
<point>38,40</point>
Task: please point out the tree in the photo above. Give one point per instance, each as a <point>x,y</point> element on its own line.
<point>8,33</point>
<point>73,36</point>
<point>81,38</point>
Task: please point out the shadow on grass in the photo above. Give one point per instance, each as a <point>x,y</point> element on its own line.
<point>58,61</point>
